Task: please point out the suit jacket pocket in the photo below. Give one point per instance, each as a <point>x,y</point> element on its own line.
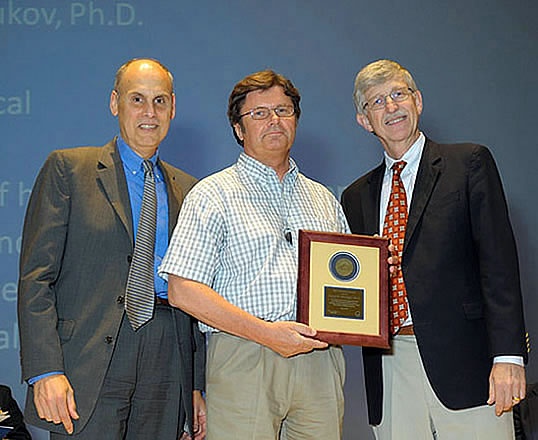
<point>65,330</point>
<point>474,310</point>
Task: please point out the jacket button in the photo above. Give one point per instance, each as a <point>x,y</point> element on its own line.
<point>120,299</point>
<point>109,339</point>
<point>129,259</point>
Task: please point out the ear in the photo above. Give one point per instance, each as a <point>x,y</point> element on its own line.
<point>114,103</point>
<point>418,101</point>
<point>238,131</point>
<point>173,114</point>
<point>363,121</point>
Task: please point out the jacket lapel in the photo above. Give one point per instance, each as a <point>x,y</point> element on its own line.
<point>371,203</point>
<point>111,175</point>
<point>429,169</point>
<point>175,195</point>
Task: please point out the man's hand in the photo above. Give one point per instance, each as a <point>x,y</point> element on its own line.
<point>54,400</point>
<point>286,338</point>
<point>289,338</point>
<point>506,386</point>
<point>199,422</point>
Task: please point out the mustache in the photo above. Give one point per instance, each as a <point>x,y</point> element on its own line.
<point>393,116</point>
<point>274,131</point>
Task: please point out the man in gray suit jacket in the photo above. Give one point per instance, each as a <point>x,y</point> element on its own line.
<point>459,342</point>
<point>91,374</point>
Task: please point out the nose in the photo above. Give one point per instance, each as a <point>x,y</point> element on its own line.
<point>274,118</point>
<point>390,104</point>
<point>149,108</point>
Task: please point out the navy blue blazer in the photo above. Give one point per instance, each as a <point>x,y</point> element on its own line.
<point>460,267</point>
<point>15,420</point>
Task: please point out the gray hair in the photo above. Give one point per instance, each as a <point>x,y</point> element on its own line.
<point>377,73</point>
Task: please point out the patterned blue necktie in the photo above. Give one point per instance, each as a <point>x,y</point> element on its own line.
<point>140,291</point>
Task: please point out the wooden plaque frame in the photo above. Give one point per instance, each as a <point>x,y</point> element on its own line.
<point>343,287</point>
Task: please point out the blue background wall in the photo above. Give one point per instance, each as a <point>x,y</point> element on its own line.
<point>475,62</point>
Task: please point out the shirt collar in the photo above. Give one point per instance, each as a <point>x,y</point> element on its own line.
<point>248,165</point>
<point>411,156</point>
<point>131,160</point>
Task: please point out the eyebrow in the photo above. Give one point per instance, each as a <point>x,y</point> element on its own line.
<point>160,95</point>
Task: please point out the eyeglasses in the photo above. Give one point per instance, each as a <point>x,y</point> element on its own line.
<point>259,113</point>
<point>397,95</point>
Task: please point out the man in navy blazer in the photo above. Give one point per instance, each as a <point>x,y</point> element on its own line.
<point>456,365</point>
<point>90,374</point>
<point>11,417</point>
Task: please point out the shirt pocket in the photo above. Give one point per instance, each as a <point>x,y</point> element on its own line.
<point>317,224</point>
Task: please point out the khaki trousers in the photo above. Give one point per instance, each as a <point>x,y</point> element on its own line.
<point>412,411</point>
<point>253,393</point>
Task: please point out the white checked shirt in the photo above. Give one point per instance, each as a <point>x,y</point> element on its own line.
<point>231,235</point>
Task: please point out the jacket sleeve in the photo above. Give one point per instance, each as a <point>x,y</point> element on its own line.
<point>497,255</point>
<point>43,240</point>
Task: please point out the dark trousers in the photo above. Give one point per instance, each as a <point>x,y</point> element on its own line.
<point>141,394</point>
<point>526,415</point>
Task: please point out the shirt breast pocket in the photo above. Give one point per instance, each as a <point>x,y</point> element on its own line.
<point>318,224</point>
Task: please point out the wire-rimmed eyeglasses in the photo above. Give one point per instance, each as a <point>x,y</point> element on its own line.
<point>397,95</point>
<point>282,111</point>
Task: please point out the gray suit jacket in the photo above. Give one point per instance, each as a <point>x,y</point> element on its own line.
<point>76,249</point>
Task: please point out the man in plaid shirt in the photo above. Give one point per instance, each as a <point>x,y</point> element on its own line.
<point>233,265</point>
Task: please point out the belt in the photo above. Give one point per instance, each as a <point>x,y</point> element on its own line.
<point>406,330</point>
<point>161,301</point>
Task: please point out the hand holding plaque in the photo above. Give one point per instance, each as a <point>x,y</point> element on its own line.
<point>343,287</point>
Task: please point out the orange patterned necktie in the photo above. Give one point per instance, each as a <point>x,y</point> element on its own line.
<point>394,229</point>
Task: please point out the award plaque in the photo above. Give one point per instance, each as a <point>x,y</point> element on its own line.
<point>343,287</point>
